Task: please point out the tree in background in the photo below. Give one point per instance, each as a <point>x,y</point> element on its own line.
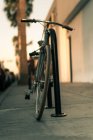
<point>15,11</point>
<point>11,9</point>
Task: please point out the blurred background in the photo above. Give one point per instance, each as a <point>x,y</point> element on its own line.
<point>7,32</point>
<point>74,48</point>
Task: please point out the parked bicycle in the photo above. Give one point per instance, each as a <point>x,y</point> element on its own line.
<point>42,75</point>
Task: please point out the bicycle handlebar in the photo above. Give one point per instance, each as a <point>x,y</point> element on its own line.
<point>48,22</point>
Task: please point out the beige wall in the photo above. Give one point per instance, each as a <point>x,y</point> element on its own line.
<point>78,50</point>
<point>87,22</point>
<point>82,42</point>
<point>82,45</point>
<point>64,7</point>
<point>63,55</point>
<point>63,10</point>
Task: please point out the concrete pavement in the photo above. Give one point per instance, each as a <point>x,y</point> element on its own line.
<point>17,120</point>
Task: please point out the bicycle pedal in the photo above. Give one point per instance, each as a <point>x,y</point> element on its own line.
<point>27,97</point>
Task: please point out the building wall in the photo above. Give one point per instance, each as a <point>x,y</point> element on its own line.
<point>78,68</point>
<point>63,10</point>
<point>82,45</point>
<point>87,31</point>
<point>63,55</point>
<point>81,42</point>
<point>64,7</point>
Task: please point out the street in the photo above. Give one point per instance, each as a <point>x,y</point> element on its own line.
<point>17,121</point>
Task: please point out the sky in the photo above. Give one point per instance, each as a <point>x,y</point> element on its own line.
<point>6,33</point>
<point>40,10</point>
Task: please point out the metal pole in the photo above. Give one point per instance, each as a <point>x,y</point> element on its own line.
<point>58,111</point>
<point>49,97</point>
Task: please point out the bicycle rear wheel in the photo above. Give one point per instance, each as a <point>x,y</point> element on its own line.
<point>42,83</point>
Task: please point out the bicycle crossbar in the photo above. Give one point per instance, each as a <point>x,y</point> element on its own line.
<point>48,22</point>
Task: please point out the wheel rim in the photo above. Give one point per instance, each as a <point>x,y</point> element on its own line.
<point>40,100</point>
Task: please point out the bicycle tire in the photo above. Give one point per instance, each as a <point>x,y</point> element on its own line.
<point>40,105</point>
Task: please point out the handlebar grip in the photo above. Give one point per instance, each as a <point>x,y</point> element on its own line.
<point>28,20</point>
<point>67,27</point>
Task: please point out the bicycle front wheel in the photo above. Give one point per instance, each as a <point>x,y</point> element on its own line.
<point>42,83</point>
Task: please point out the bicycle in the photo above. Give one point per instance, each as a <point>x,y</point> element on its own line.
<point>42,76</point>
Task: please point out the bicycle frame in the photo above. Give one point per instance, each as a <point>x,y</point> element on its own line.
<point>42,54</point>
<point>45,50</point>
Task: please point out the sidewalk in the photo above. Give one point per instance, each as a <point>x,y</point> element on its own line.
<point>17,120</point>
